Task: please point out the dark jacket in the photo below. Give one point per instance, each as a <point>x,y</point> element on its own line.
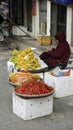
<point>59,55</point>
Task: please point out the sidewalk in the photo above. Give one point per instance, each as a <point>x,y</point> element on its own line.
<point>23,42</point>
<point>61,119</point>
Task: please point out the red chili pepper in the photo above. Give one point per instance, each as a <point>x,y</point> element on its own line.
<point>34,87</point>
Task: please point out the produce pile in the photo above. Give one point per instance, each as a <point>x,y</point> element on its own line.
<point>24,59</point>
<point>34,87</point>
<point>22,76</point>
<point>29,84</point>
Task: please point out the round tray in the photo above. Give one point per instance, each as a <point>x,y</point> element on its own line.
<point>41,70</point>
<point>33,96</point>
<point>13,84</point>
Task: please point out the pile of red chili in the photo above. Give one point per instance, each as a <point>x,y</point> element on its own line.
<point>34,87</point>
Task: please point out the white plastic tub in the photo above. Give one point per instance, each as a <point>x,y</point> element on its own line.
<point>31,108</point>
<point>63,86</point>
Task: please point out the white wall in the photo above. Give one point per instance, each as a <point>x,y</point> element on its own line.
<point>72,29</point>
<point>69,24</point>
<point>35,19</point>
<point>48,17</point>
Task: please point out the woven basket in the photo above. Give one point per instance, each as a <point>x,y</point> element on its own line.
<point>13,84</point>
<point>33,96</point>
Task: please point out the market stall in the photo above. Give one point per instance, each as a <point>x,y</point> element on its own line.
<point>30,92</point>
<point>34,90</point>
<point>31,97</point>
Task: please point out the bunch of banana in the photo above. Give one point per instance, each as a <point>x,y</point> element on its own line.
<point>25,59</point>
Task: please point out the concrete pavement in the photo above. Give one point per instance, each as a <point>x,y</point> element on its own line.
<point>61,119</point>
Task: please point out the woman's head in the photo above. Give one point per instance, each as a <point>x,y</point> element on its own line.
<point>60,37</point>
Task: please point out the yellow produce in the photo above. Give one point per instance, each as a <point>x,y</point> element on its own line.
<point>24,59</point>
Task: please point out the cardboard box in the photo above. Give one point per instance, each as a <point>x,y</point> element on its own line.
<point>44,40</point>
<point>30,108</point>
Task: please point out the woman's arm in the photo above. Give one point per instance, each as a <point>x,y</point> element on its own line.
<point>59,51</point>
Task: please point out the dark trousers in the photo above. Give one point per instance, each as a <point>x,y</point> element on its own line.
<point>45,57</point>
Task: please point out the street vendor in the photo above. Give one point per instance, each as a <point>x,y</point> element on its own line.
<point>58,56</point>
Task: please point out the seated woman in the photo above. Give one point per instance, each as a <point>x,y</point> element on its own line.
<point>60,55</point>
